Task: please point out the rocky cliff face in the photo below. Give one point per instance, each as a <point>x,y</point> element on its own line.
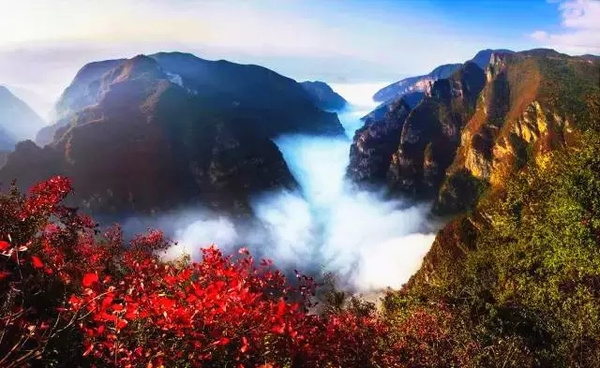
<point>324,97</point>
<point>414,88</point>
<point>431,132</point>
<point>533,102</point>
<point>374,144</point>
<point>152,133</point>
<point>477,126</point>
<point>422,139</point>
<point>82,92</point>
<point>17,120</point>
<point>484,57</point>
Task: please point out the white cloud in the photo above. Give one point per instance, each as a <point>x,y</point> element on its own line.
<point>580,28</point>
<point>540,35</point>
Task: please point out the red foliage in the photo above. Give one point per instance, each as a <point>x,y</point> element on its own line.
<point>89,298</point>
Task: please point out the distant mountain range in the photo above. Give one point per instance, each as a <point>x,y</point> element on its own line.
<point>413,89</point>
<point>158,131</point>
<point>474,128</point>
<point>17,120</point>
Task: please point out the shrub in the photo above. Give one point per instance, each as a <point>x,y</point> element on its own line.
<point>73,296</point>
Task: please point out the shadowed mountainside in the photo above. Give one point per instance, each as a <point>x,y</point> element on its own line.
<point>323,96</point>
<point>154,132</point>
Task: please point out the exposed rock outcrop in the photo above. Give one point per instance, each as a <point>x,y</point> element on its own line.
<point>414,88</point>
<point>373,145</point>
<point>477,127</point>
<point>484,57</point>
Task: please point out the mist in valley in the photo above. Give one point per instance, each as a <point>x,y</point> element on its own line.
<point>366,240</point>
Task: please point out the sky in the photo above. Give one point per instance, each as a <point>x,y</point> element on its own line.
<point>44,42</point>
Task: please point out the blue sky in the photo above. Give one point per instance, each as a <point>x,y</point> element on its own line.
<point>43,43</point>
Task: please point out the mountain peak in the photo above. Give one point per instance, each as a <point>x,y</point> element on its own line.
<point>414,88</point>
<point>483,57</point>
<point>140,66</point>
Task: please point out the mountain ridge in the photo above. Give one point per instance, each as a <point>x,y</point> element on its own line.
<point>201,132</point>
<point>530,101</point>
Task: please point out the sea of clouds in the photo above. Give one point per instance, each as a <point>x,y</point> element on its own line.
<point>369,242</point>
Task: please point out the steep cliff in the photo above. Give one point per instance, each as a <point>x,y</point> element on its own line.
<point>534,102</point>
<point>373,145</point>
<point>477,127</point>
<point>243,89</point>
<point>484,57</point>
<point>413,89</point>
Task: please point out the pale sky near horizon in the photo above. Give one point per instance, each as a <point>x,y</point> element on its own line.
<point>44,42</point>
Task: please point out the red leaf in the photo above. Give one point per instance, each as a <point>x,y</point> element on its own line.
<point>37,262</point>
<point>278,329</point>
<point>4,274</point>
<point>244,347</point>
<point>107,302</point>
<point>121,323</point>
<point>89,279</point>
<point>88,350</point>
<point>223,341</point>
<point>281,308</point>
<point>4,245</point>
<point>166,303</point>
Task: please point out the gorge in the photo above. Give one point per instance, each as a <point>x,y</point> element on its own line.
<point>452,226</point>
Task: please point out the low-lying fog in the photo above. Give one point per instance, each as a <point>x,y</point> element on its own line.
<point>367,241</point>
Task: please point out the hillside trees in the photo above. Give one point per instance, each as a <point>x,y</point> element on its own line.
<point>74,296</point>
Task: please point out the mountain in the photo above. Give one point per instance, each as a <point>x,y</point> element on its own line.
<point>82,92</point>
<point>414,88</point>
<point>155,132</point>
<point>324,96</point>
<point>374,144</point>
<point>483,57</point>
<point>17,120</point>
<point>220,84</point>
<point>477,127</point>
<point>422,140</point>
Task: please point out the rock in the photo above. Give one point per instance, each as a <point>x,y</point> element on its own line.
<point>473,129</point>
<point>414,87</point>
<point>483,57</point>
<point>373,145</point>
<point>431,133</point>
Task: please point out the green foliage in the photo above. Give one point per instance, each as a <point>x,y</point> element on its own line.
<point>460,192</point>
<point>528,290</point>
<point>571,85</point>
